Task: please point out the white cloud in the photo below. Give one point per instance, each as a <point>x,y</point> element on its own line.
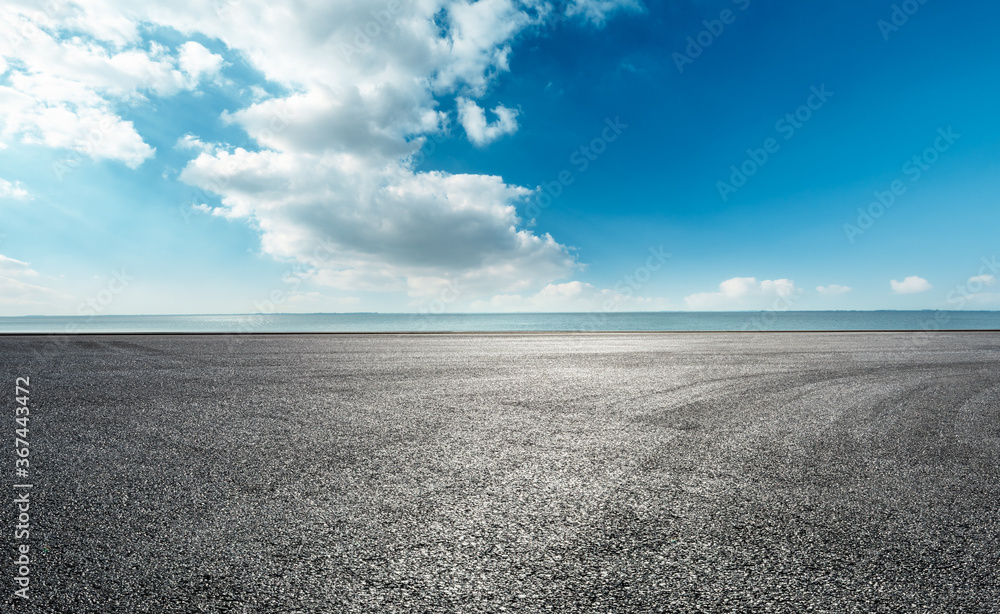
<point>598,11</point>
<point>15,268</point>
<point>198,63</point>
<point>64,89</point>
<point>477,44</point>
<point>982,300</point>
<point>336,177</point>
<point>193,143</point>
<point>365,228</point>
<point>746,293</point>
<point>344,120</point>
<point>13,190</point>
<point>573,296</point>
<point>833,289</point>
<point>104,20</point>
<point>910,285</point>
<point>473,120</point>
<point>334,185</point>
<point>15,293</point>
<point>971,295</point>
<point>92,131</point>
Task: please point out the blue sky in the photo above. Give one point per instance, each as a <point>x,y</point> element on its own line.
<point>498,156</point>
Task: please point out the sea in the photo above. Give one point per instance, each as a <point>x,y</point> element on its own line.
<point>508,322</point>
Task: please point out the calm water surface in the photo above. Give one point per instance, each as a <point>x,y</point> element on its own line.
<point>511,322</point>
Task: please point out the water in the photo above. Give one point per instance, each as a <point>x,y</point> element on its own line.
<point>392,322</point>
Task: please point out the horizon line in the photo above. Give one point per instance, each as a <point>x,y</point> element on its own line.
<point>492,313</point>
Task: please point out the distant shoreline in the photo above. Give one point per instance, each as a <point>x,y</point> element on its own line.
<point>454,323</point>
<point>499,332</point>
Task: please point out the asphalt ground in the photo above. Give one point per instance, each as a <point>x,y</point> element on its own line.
<point>718,472</point>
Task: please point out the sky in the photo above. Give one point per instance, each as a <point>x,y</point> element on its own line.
<point>233,156</point>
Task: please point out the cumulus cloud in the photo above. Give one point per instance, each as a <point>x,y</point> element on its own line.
<point>473,120</point>
<point>573,296</point>
<point>745,293</point>
<point>63,89</point>
<point>13,190</point>
<point>331,178</point>
<point>334,185</point>
<point>911,285</point>
<point>193,143</point>
<point>358,224</point>
<point>986,280</point>
<point>198,63</point>
<point>833,289</point>
<point>477,41</point>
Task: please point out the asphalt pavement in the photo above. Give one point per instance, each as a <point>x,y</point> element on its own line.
<point>675,472</point>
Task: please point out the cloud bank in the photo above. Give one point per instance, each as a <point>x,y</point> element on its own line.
<point>833,289</point>
<point>911,285</point>
<point>573,296</point>
<point>62,90</point>
<point>328,177</point>
<point>745,293</point>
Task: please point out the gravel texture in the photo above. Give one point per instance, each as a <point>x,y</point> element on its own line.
<point>728,472</point>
